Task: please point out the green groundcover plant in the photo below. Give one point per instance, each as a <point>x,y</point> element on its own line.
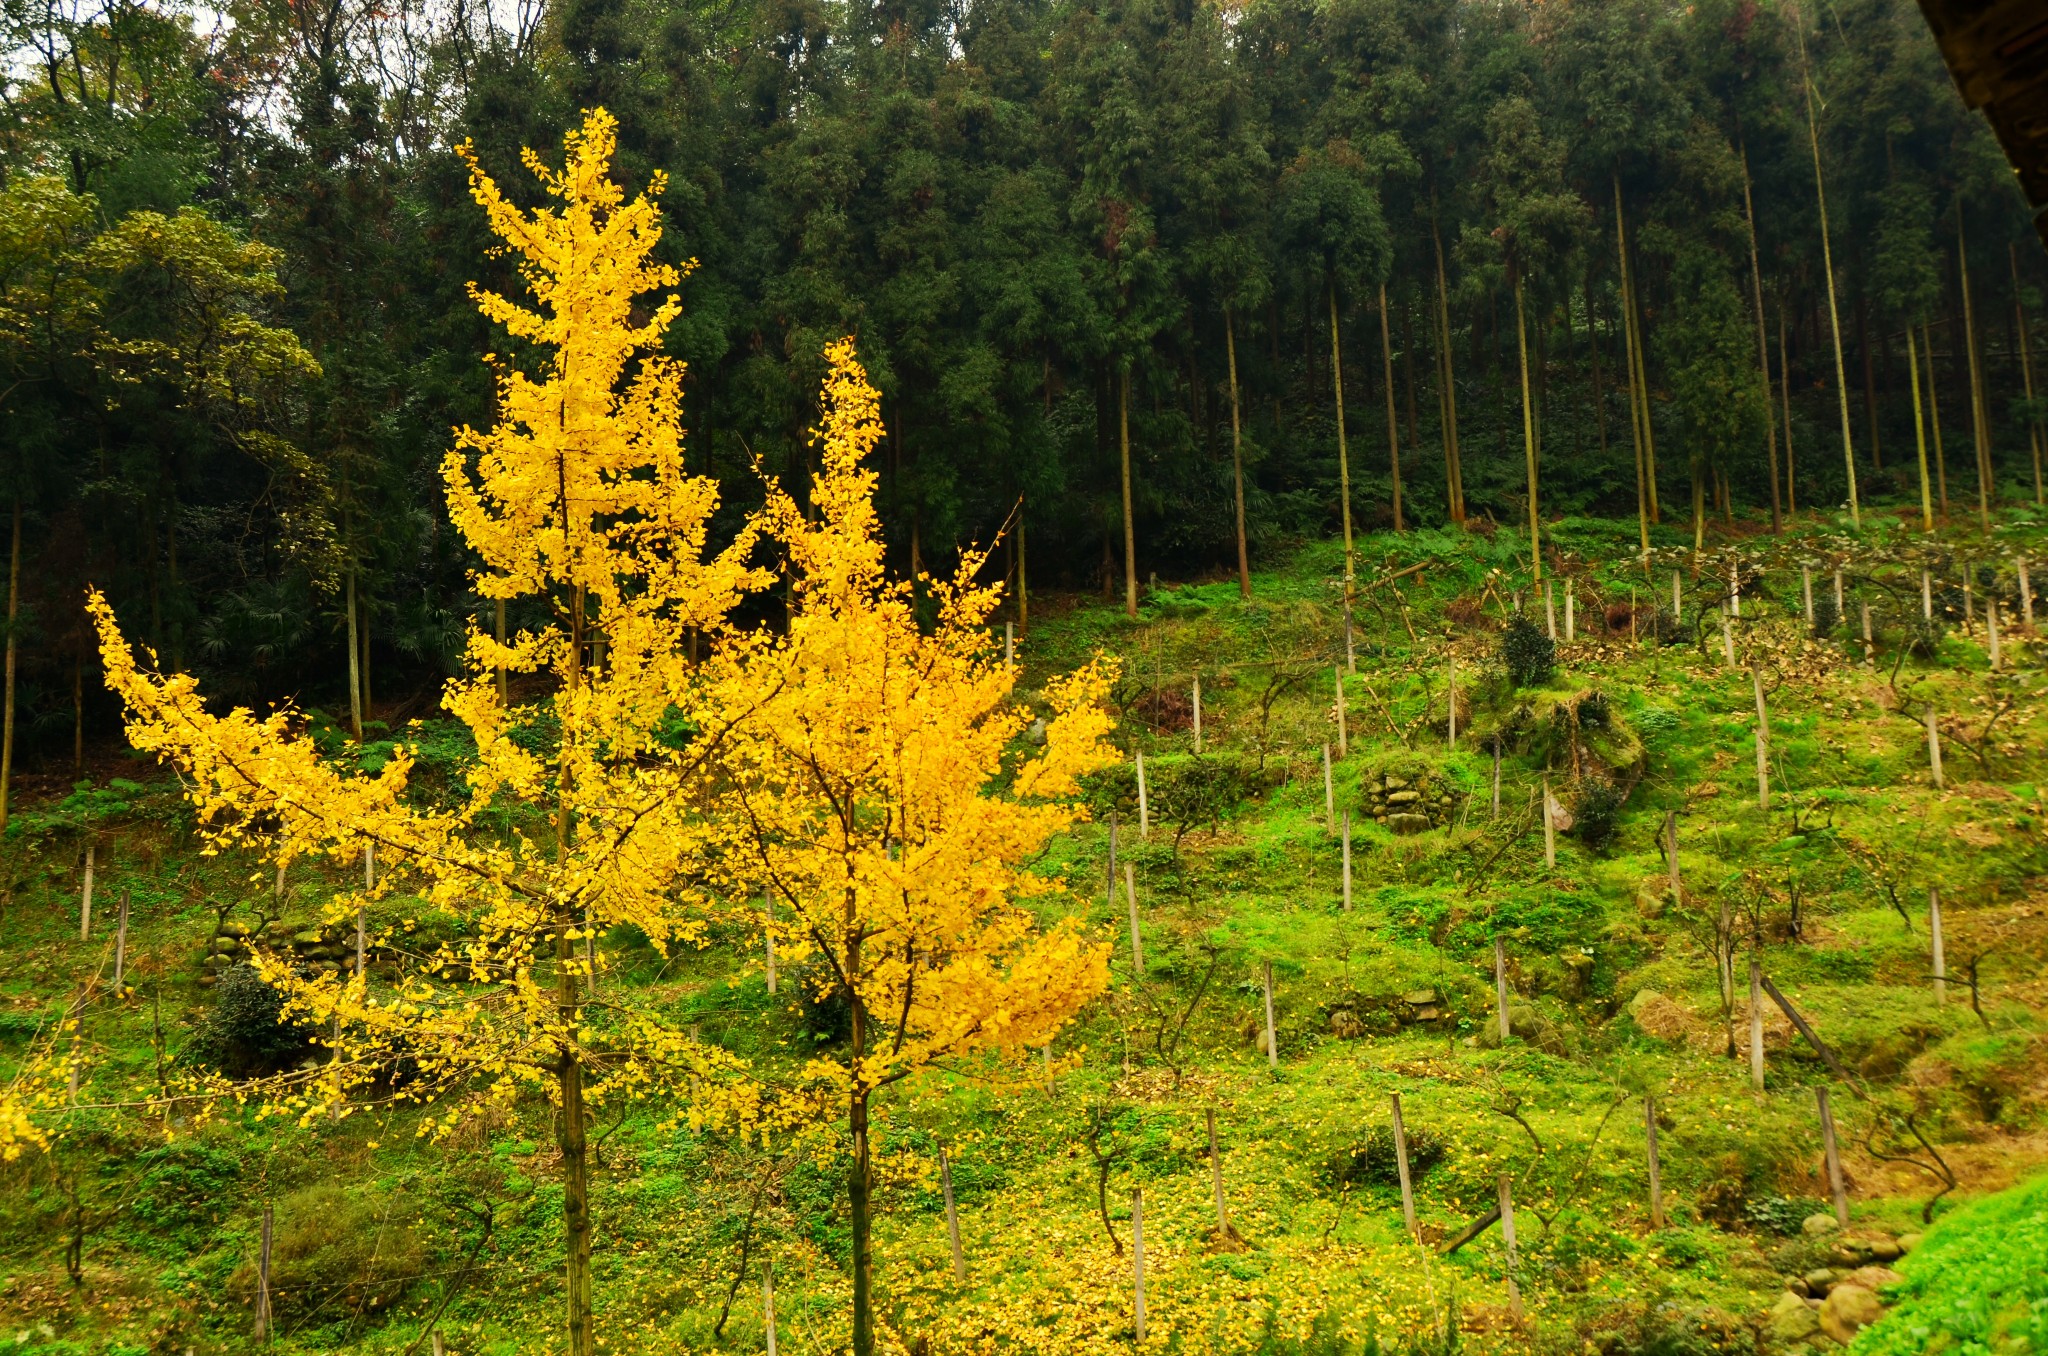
<point>1976,1286</point>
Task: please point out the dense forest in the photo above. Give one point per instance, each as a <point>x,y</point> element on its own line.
<point>1110,265</point>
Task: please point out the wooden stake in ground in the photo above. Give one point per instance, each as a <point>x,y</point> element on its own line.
<point>1507,1236</point>
<point>1671,856</point>
<point>1145,803</point>
<point>768,1302</point>
<point>1940,959</point>
<point>1110,894</point>
<point>1549,828</point>
<point>1046,1050</point>
<point>369,866</point>
<point>1451,683</point>
<point>1869,640</point>
<point>1131,899</point>
<point>768,935</point>
<point>1656,1169</point>
<point>1677,599</point>
<point>1347,861</point>
<point>1840,605</point>
<point>1138,1260</point>
<point>263,1280</point>
<point>1272,1040</point>
<point>1223,1229</point>
<point>1198,713</point>
<point>85,895</point>
<point>1329,791</point>
<point>952,1216</point>
<point>1991,631</point>
<point>1401,1166</point>
<point>1834,1156</point>
<point>1549,611</point>
<point>121,942</point>
<point>440,1347</point>
<point>277,892</point>
<point>2026,593</point>
<point>1926,596</point>
<point>1763,742</point>
<point>1756,1024</point>
<point>1934,748</point>
<point>362,938</point>
<point>1500,987</point>
<point>1727,639</point>
<point>1806,592</point>
<point>1571,628</point>
<point>1342,742</point>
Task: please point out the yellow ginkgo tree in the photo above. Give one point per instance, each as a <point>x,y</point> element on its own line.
<point>578,498</point>
<point>888,813</point>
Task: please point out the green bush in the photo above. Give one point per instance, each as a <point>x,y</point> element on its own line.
<point>1369,1158</point>
<point>1529,656</point>
<point>245,1034</point>
<point>1975,1286</point>
<point>1596,812</point>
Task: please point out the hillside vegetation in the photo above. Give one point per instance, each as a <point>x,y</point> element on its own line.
<point>139,1232</point>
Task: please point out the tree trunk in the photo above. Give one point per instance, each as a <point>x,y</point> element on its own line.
<point>1919,433</point>
<point>1528,433</point>
<point>1785,399</point>
<point>575,1159</point>
<point>13,650</point>
<point>355,654</point>
<point>1763,347</point>
<point>1454,486</point>
<point>1934,424</point>
<point>1023,575</point>
<point>2019,310</point>
<point>1123,441</point>
<point>1343,452</point>
<point>1635,412</point>
<point>1393,430</point>
<point>1869,381</point>
<point>1827,255</point>
<point>1980,426</point>
<point>1408,372</point>
<point>1593,343</point>
<point>1244,564</point>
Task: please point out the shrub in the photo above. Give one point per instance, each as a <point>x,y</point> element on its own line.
<point>1596,813</point>
<point>1594,712</point>
<point>246,1034</point>
<point>1529,655</point>
<point>1369,1158</point>
<point>1782,1215</point>
<point>1827,618</point>
<point>1975,1283</point>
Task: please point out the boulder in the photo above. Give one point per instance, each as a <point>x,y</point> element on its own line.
<point>1421,998</point>
<point>1819,1279</point>
<point>1873,1278</point>
<point>1403,797</point>
<point>221,945</point>
<point>1792,1319</point>
<point>1848,1310</point>
<point>1403,825</point>
<point>1908,1242</point>
<point>1813,1226</point>
<point>1885,1249</point>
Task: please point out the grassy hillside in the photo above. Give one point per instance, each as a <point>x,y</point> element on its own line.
<point>136,1234</point>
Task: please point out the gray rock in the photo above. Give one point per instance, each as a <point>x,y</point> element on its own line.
<point>223,945</point>
<point>1813,1226</point>
<point>1884,1249</point>
<point>1403,797</point>
<point>1819,1279</point>
<point>1420,997</point>
<point>1793,1320</point>
<point>1406,824</point>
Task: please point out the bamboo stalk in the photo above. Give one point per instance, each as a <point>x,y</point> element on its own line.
<point>2019,307</point>
<point>1635,414</point>
<point>1919,435</point>
<point>1393,424</point>
<point>1528,435</point>
<point>1980,424</point>
<point>1827,251</point>
<point>768,1302</point>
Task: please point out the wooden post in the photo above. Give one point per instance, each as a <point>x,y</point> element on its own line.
<point>1756,1024</point>
<point>2026,593</point>
<point>1940,959</point>
<point>85,895</point>
<point>1347,861</point>
<point>1131,900</point>
<point>440,1347</point>
<point>952,1217</point>
<point>1138,1260</point>
<point>1934,748</point>
<point>1549,828</point>
<point>1806,591</point>
<point>277,892</point>
<point>1571,629</point>
<point>1223,1229</point>
<point>1763,742</point>
<point>1507,1236</point>
<point>362,938</point>
<point>1926,596</point>
<point>768,1302</point>
<point>1401,1166</point>
<point>768,938</point>
<point>1500,987</point>
<point>1734,589</point>
<point>1144,801</point>
<point>1110,894</point>
<point>1046,1049</point>
<point>1272,1040</point>
<point>1009,644</point>
<point>1869,640</point>
<point>1969,605</point>
<point>1549,611</point>
<point>1342,743</point>
<point>121,942</point>
<point>1329,791</point>
<point>1727,639</point>
<point>1671,856</point>
<point>1991,631</point>
<point>1198,712</point>
<point>1839,608</point>
<point>263,1280</point>
<point>1677,599</point>
<point>1452,702</point>
<point>1834,1157</point>
<point>1656,1168</point>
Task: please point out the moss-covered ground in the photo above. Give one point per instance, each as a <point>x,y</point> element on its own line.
<point>135,1235</point>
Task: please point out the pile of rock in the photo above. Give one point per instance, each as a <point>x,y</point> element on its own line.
<point>233,942</point>
<point>1356,1015</point>
<point>1827,1306</point>
<point>1407,804</point>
